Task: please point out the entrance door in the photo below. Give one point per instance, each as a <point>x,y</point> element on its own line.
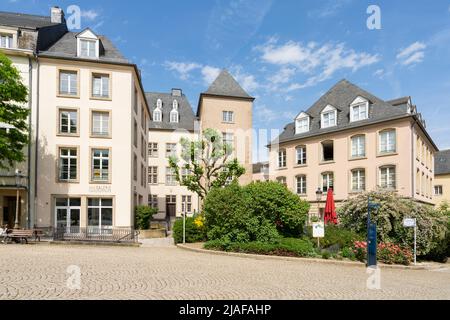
<point>67,213</point>
<point>9,211</point>
<point>171,210</point>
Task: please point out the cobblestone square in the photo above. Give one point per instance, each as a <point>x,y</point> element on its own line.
<point>40,272</point>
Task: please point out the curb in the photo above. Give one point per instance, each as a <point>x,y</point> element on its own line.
<point>296,259</point>
<point>94,244</point>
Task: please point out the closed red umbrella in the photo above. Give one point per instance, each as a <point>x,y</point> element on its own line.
<point>330,215</point>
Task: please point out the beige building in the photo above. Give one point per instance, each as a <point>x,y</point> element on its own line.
<point>172,120</point>
<point>92,137</point>
<point>261,171</point>
<point>226,107</point>
<point>22,36</point>
<point>442,177</point>
<point>352,141</point>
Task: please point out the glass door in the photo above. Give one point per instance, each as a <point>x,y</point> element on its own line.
<point>68,215</point>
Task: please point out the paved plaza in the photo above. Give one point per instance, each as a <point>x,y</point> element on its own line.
<point>166,272</point>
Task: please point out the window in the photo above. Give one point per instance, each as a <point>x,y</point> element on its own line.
<point>68,214</point>
<point>171,178</point>
<point>358,112</point>
<point>174,116</point>
<point>153,149</point>
<point>301,184</point>
<point>68,163</point>
<point>418,148</point>
<point>135,101</point>
<point>143,149</point>
<point>302,125</point>
<point>6,41</point>
<point>358,180</point>
<point>438,190</point>
<point>153,175</point>
<point>171,199</point>
<point>228,116</point>
<point>186,204</point>
<point>100,124</point>
<point>328,117</point>
<point>143,175</point>
<point>282,180</point>
<point>228,141</point>
<point>387,141</point>
<point>135,168</point>
<point>100,214</point>
<point>301,155</point>
<point>418,181</point>
<point>68,83</point>
<point>159,104</point>
<point>185,173</point>
<point>68,122</point>
<point>100,165</point>
<point>327,181</point>
<point>282,158</point>
<point>327,150</point>
<point>229,179</point>
<point>175,105</point>
<point>135,134</point>
<point>153,201</point>
<point>143,118</point>
<point>423,185</point>
<point>100,85</point>
<point>387,177</point>
<point>358,146</point>
<point>171,150</point>
<point>88,48</point>
<point>157,115</point>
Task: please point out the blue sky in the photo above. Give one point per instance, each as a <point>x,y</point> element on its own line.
<point>285,53</point>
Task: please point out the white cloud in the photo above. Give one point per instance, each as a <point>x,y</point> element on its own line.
<point>319,62</point>
<point>89,14</point>
<point>247,81</point>
<point>182,68</point>
<point>209,74</point>
<point>412,54</point>
<point>265,114</point>
<point>284,75</point>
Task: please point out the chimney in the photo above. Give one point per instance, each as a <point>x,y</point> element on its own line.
<point>177,92</point>
<point>57,15</point>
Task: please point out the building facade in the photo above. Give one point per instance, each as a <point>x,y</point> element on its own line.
<point>442,177</point>
<point>261,171</point>
<point>22,36</point>
<point>172,120</point>
<point>352,141</point>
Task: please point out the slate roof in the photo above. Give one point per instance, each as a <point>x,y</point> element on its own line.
<point>25,20</point>
<point>66,47</point>
<point>442,162</point>
<point>226,85</point>
<point>187,118</point>
<point>341,96</point>
<point>256,167</point>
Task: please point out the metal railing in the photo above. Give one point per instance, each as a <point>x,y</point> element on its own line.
<point>95,234</point>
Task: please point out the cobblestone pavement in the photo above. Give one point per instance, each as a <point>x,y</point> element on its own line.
<point>40,272</point>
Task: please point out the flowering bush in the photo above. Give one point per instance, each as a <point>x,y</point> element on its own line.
<point>388,253</point>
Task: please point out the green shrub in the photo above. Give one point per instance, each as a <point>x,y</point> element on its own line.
<point>230,217</point>
<point>348,253</point>
<point>389,219</point>
<point>279,205</point>
<point>338,236</point>
<point>194,233</point>
<point>441,252</point>
<point>282,247</point>
<point>326,255</point>
<point>143,215</point>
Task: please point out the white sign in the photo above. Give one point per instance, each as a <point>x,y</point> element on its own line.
<point>409,223</point>
<point>318,230</point>
<point>100,189</point>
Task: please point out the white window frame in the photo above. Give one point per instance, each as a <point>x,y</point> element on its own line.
<point>174,116</point>
<point>301,184</point>
<point>157,115</point>
<point>301,155</point>
<point>171,150</point>
<point>389,148</point>
<point>171,178</point>
<point>100,227</point>
<point>153,148</point>
<point>68,157</point>
<point>152,172</point>
<point>302,124</point>
<point>69,113</point>
<point>358,147</point>
<point>92,48</point>
<point>326,118</point>
<point>153,201</point>
<point>102,77</point>
<point>282,180</point>
<point>388,177</point>
<point>186,204</point>
<point>282,163</point>
<point>68,208</point>
<point>70,75</point>
<point>104,173</point>
<point>360,180</point>
<point>8,40</point>
<point>327,177</point>
<point>362,105</point>
<point>103,119</point>
<point>440,190</point>
<point>228,116</point>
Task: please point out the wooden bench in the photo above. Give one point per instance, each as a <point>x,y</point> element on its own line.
<point>38,233</point>
<point>21,235</point>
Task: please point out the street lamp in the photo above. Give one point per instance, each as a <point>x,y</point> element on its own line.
<point>319,194</point>
<point>16,223</point>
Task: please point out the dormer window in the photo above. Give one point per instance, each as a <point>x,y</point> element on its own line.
<point>175,105</point>
<point>159,104</point>
<point>174,116</point>
<point>6,41</point>
<point>302,123</point>
<point>359,109</point>
<point>88,45</point>
<point>328,117</point>
<point>157,115</point>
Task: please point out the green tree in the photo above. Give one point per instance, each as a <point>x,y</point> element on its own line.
<point>13,114</point>
<point>207,162</point>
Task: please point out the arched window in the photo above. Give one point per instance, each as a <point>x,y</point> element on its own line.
<point>175,104</point>
<point>328,117</point>
<point>157,115</point>
<point>387,177</point>
<point>358,146</point>
<point>174,116</point>
<point>159,104</point>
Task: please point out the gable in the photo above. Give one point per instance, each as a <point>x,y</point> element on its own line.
<point>87,34</point>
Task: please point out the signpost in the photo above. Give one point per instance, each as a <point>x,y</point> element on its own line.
<point>412,223</point>
<point>371,235</point>
<point>318,231</point>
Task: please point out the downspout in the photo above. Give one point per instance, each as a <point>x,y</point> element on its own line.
<point>30,131</point>
<point>413,172</point>
<point>37,137</point>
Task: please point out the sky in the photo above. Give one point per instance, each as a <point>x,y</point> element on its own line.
<point>285,53</point>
